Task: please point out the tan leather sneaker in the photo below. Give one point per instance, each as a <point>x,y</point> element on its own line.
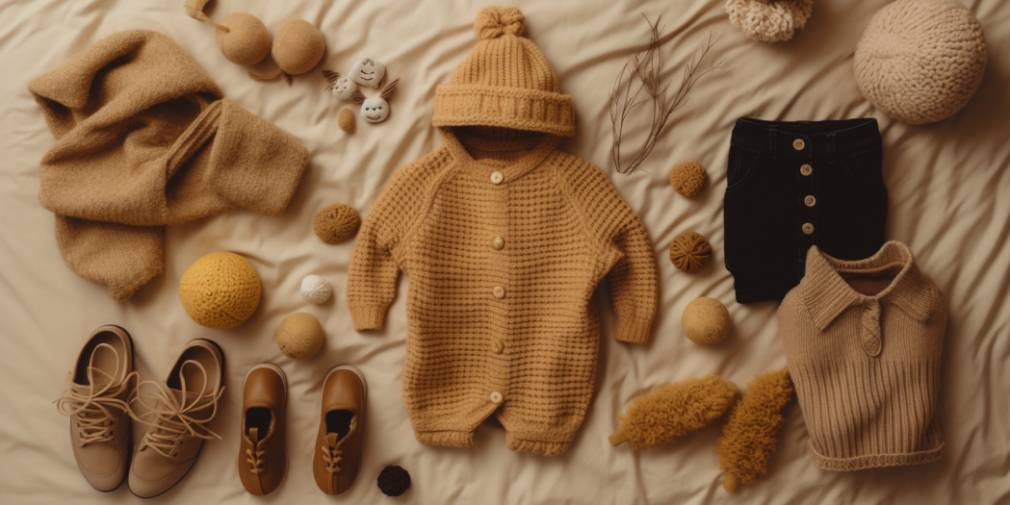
<point>337,457</point>
<point>96,402</point>
<point>180,409</point>
<point>262,457</point>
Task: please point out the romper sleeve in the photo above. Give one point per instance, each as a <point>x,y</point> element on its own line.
<point>625,249</point>
<point>372,277</point>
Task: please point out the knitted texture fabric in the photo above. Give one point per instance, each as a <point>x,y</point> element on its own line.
<point>143,140</point>
<point>769,20</point>
<point>504,82</point>
<point>688,178</point>
<point>674,410</point>
<point>863,341</point>
<point>220,290</point>
<point>336,223</point>
<point>920,61</point>
<point>749,435</point>
<point>689,251</point>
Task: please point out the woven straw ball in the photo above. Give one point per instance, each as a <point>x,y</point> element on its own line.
<point>300,336</point>
<point>220,290</point>
<point>706,321</point>
<point>769,20</point>
<point>689,251</point>
<point>687,178</point>
<point>920,61</point>
<point>336,223</point>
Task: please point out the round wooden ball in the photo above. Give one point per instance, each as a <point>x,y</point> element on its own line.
<point>706,321</point>
<point>300,336</point>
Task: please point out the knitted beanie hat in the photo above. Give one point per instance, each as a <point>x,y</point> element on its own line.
<point>920,61</point>
<point>505,82</point>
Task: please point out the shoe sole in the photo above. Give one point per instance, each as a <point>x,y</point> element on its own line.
<point>195,461</point>
<point>129,439</point>
<point>284,407</point>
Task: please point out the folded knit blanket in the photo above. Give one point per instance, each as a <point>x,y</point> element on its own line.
<point>144,139</point>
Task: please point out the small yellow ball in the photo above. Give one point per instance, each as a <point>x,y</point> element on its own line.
<point>220,290</point>
<point>300,336</point>
<point>706,321</point>
<point>689,251</point>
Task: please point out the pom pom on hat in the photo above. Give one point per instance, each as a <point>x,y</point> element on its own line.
<point>493,22</point>
<point>393,481</point>
<point>336,223</point>
<point>920,61</point>
<point>769,20</point>
<point>689,251</point>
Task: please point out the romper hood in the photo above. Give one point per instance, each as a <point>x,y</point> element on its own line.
<point>505,82</point>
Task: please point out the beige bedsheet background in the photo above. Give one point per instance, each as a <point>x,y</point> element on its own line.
<point>949,186</point>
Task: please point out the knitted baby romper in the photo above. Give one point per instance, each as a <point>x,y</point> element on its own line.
<point>504,239</point>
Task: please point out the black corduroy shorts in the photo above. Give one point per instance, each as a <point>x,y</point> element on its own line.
<point>794,184</point>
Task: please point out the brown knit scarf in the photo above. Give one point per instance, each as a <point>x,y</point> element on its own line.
<point>144,139</point>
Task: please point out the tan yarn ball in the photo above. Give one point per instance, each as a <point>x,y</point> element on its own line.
<point>300,336</point>
<point>247,40</point>
<point>769,20</point>
<point>688,178</point>
<point>346,120</point>
<point>220,290</point>
<point>689,251</point>
<point>336,223</point>
<point>706,321</point>
<point>298,46</point>
<point>920,61</point>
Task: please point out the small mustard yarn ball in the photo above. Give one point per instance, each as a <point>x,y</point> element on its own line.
<point>689,251</point>
<point>220,290</point>
<point>247,40</point>
<point>336,223</point>
<point>706,321</point>
<point>300,336</point>
<point>688,178</point>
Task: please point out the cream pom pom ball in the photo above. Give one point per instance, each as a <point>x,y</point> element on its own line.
<point>315,289</point>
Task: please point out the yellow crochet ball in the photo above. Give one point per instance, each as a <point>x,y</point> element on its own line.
<point>298,46</point>
<point>706,321</point>
<point>688,178</point>
<point>300,336</point>
<point>220,290</point>
<point>336,223</point>
<point>247,40</point>
<point>689,251</point>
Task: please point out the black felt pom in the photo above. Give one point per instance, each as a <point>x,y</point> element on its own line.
<point>394,480</point>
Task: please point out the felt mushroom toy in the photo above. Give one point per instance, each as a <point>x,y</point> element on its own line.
<point>368,72</point>
<point>376,109</point>
<point>342,87</point>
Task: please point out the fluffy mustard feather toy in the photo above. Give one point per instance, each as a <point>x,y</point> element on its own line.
<point>749,435</point>
<point>674,410</point>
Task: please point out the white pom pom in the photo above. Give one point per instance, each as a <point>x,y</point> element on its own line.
<point>315,289</point>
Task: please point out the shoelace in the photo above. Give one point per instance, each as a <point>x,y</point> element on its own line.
<point>255,458</point>
<point>94,409</point>
<point>332,457</point>
<point>173,421</point>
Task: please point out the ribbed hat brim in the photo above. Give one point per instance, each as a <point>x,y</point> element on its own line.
<point>506,107</point>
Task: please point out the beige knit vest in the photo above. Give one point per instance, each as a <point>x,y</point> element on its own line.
<point>863,340</point>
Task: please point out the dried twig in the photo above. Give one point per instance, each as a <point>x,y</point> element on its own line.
<point>646,68</point>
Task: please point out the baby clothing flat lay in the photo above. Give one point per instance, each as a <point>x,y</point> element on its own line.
<point>503,238</point>
<point>505,241</point>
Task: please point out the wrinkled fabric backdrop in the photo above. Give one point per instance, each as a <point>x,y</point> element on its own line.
<point>949,187</point>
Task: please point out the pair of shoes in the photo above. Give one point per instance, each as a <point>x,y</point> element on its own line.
<point>98,401</point>
<point>262,459</point>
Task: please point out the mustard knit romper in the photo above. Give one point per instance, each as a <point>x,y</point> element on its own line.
<point>504,239</point>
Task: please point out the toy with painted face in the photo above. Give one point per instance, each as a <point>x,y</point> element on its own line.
<point>368,72</point>
<point>342,87</point>
<point>376,109</point>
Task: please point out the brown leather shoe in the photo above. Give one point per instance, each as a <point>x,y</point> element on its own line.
<point>182,407</point>
<point>96,402</point>
<point>263,457</point>
<point>337,457</point>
